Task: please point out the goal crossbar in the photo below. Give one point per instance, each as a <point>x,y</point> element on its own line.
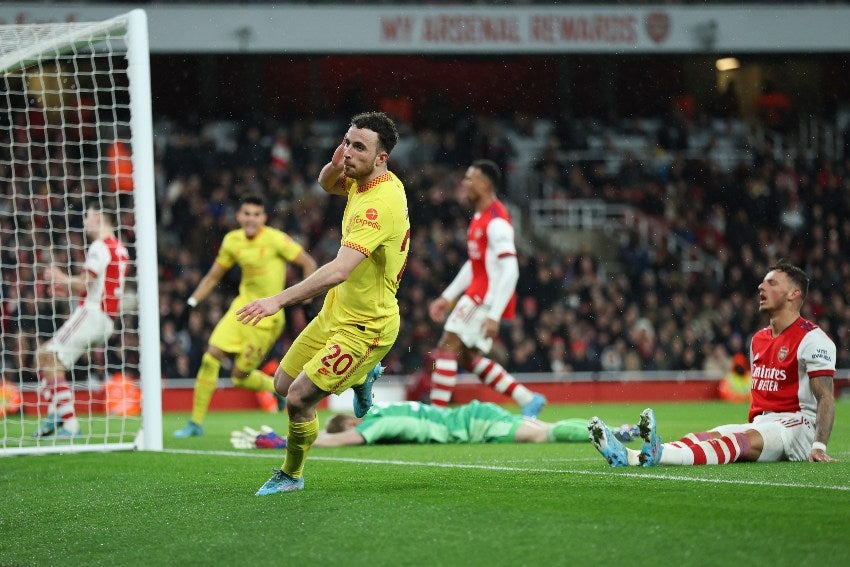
<point>55,38</point>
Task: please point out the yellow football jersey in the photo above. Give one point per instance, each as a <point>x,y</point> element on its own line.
<point>262,260</point>
<point>376,223</point>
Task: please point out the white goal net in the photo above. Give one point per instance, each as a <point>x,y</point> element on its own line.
<point>78,301</point>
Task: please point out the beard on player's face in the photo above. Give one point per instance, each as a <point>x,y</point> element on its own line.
<point>358,168</point>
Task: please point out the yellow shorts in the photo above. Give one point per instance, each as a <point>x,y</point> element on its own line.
<point>249,344</point>
<point>336,357</point>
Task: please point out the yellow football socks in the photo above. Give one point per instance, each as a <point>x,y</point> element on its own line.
<point>257,380</point>
<point>205,385</point>
<point>298,443</point>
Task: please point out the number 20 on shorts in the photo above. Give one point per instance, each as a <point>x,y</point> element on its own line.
<point>337,361</point>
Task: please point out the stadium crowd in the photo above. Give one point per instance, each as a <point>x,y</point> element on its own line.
<point>577,313</point>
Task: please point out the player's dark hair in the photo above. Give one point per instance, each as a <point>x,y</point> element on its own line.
<point>337,423</point>
<point>253,199</point>
<point>491,171</point>
<point>106,208</point>
<point>381,124</point>
<point>795,274</point>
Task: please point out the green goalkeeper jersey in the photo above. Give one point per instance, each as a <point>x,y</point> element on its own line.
<point>414,422</point>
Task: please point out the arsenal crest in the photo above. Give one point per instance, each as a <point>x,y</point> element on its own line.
<point>657,26</point>
<point>783,352</point>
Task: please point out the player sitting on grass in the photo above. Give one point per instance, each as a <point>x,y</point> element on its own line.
<point>793,406</point>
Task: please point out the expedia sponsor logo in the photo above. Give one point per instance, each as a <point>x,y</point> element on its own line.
<point>768,373</point>
<point>366,222</point>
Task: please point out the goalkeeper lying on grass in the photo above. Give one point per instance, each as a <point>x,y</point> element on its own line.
<point>414,422</point>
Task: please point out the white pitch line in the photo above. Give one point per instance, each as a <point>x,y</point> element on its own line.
<point>603,472</point>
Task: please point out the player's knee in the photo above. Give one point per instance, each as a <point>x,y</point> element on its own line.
<point>766,444</point>
<point>44,359</point>
<point>48,363</point>
<point>450,342</point>
<point>466,359</point>
<point>282,381</point>
<point>296,404</point>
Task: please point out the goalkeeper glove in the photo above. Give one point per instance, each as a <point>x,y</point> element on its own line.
<point>249,438</point>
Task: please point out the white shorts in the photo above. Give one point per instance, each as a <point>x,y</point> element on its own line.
<point>787,436</point>
<point>85,328</point>
<point>467,321</point>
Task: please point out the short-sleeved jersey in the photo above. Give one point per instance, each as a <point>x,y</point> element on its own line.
<point>262,260</point>
<point>414,422</point>
<point>490,236</point>
<point>783,365</point>
<point>375,223</point>
<point>106,262</point>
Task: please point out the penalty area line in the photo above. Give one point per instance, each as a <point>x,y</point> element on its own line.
<point>495,468</point>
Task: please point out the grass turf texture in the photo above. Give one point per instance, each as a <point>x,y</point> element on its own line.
<point>549,504</point>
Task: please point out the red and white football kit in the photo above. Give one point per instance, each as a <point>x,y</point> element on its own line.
<point>783,407</point>
<point>91,323</point>
<point>487,279</point>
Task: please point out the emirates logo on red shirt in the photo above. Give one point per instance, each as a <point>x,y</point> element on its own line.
<point>782,354</point>
<point>371,214</point>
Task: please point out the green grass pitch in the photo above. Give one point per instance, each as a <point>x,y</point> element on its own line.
<point>492,505</point>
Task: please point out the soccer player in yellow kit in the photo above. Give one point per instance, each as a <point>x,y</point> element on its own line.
<point>343,346</point>
<point>262,253</point>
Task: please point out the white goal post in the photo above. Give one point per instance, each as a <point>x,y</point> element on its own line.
<point>76,130</point>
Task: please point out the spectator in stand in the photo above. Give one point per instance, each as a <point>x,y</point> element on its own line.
<point>774,108</point>
<point>736,384</point>
<point>746,235</point>
<point>727,104</point>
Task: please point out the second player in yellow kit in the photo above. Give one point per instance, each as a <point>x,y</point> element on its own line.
<point>359,321</point>
<point>261,252</point>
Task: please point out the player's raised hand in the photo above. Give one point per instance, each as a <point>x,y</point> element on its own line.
<point>338,159</point>
<point>257,310</point>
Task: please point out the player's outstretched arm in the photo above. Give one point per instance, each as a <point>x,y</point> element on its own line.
<point>438,308</point>
<point>350,437</point>
<point>822,388</point>
<point>63,283</point>
<point>331,274</point>
<point>207,284</point>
